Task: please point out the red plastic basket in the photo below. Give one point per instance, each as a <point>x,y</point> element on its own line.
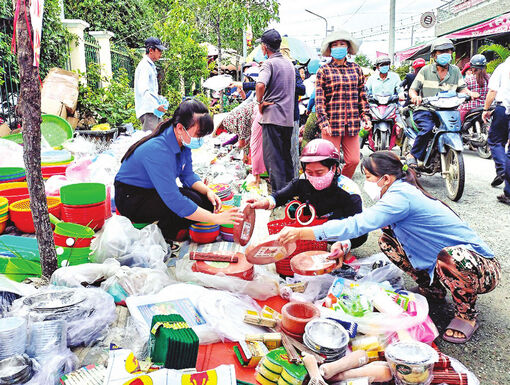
<point>274,227</point>
<point>91,216</point>
<point>62,240</point>
<point>21,215</point>
<point>15,194</point>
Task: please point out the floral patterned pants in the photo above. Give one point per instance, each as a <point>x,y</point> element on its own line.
<point>462,271</point>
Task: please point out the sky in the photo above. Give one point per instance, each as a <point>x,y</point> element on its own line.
<point>354,16</point>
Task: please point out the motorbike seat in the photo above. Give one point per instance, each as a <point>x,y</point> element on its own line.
<point>475,110</point>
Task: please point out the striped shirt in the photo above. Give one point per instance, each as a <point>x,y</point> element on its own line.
<point>428,83</point>
<point>340,98</point>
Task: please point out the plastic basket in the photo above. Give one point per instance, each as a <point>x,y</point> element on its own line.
<point>55,129</point>
<point>21,214</point>
<point>100,136</point>
<point>83,193</point>
<point>274,227</point>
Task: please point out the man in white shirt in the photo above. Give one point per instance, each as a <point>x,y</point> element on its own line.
<point>149,105</point>
<point>499,91</point>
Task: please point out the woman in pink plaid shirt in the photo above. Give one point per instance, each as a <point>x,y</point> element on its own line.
<point>477,82</point>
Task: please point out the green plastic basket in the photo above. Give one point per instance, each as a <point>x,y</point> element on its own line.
<point>83,193</point>
<point>55,130</point>
<point>16,138</point>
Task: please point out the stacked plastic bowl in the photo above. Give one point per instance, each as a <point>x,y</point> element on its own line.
<point>13,336</point>
<point>84,204</point>
<point>12,174</point>
<point>327,338</point>
<point>73,243</point>
<point>204,232</point>
<point>46,337</point>
<point>55,162</point>
<point>14,191</point>
<point>4,213</point>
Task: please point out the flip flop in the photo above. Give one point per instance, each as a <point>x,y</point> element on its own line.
<point>462,326</point>
<point>411,161</point>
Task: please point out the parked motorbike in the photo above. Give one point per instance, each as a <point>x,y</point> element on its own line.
<point>475,132</point>
<point>444,150</point>
<point>384,132</point>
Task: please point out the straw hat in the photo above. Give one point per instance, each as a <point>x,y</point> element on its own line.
<point>340,35</point>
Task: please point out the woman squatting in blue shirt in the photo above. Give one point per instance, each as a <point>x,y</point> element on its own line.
<point>145,186</point>
<point>422,236</point>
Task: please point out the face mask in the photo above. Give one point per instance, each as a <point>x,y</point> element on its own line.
<point>194,143</point>
<point>338,52</point>
<point>384,69</point>
<point>444,59</point>
<point>373,190</point>
<point>321,182</point>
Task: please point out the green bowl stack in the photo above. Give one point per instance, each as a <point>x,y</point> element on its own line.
<point>173,343</point>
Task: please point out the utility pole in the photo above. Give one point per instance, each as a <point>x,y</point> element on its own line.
<point>321,17</point>
<point>412,35</point>
<point>392,30</point>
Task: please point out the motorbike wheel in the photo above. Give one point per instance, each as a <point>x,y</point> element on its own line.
<point>484,151</point>
<point>456,176</point>
<point>382,141</point>
<point>405,148</point>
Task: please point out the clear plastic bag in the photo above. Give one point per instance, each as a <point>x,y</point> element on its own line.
<point>85,275</point>
<point>377,268</point>
<point>131,247</point>
<point>316,288</point>
<point>54,366</point>
<point>88,316</point>
<point>265,284</point>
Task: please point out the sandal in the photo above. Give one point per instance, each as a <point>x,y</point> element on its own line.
<point>461,326</point>
<point>411,161</point>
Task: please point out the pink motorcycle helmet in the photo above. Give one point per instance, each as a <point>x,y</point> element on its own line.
<point>318,150</point>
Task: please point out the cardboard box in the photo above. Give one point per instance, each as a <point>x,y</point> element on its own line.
<point>62,86</point>
<point>53,107</point>
<point>73,121</point>
<point>4,130</point>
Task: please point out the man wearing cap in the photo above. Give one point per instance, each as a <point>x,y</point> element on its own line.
<point>275,91</point>
<point>384,81</point>
<point>433,78</point>
<point>148,102</point>
<point>340,98</point>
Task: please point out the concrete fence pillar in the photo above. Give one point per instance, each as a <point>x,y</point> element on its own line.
<point>105,52</point>
<point>77,47</point>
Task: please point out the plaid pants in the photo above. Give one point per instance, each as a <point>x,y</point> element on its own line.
<point>462,271</point>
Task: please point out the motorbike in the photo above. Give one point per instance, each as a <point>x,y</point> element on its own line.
<point>385,130</point>
<point>444,149</point>
<point>475,132</point>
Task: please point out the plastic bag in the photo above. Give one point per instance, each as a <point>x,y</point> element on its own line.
<point>87,319</point>
<point>12,154</point>
<point>84,275</point>
<point>264,285</point>
<point>224,312</point>
<point>131,247</point>
<point>377,268</point>
<point>316,288</point>
<point>56,365</point>
<point>10,291</point>
<point>380,323</point>
<point>54,183</point>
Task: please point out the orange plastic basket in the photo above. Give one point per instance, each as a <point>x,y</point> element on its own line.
<point>274,227</point>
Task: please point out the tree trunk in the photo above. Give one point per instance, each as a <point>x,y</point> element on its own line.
<point>29,108</point>
<point>218,35</point>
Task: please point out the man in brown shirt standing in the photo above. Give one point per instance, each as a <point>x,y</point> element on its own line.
<point>275,89</point>
<point>340,98</point>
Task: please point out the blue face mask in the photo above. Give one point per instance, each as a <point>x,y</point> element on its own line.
<point>444,59</point>
<point>194,143</point>
<point>384,69</point>
<point>338,52</point>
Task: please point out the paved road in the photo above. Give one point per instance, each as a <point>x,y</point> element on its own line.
<point>488,353</point>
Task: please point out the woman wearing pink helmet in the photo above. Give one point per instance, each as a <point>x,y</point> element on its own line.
<point>331,194</point>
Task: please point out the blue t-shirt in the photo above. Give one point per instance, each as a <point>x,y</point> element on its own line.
<point>157,164</point>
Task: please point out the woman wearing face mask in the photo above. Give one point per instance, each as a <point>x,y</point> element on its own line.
<point>340,98</point>
<point>145,186</point>
<point>422,236</point>
<point>332,195</point>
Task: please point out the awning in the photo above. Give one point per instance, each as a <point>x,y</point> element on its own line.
<point>412,52</point>
<point>494,26</point>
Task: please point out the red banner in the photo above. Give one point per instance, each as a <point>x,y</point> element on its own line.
<point>500,24</point>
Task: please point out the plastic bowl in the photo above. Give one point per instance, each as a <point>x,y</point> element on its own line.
<point>3,202</point>
<point>15,194</point>
<point>21,215</point>
<point>2,226</point>
<point>203,237</point>
<point>73,230</point>
<point>74,242</point>
<point>295,316</point>
<point>8,172</point>
<point>411,362</point>
<point>55,129</point>
<point>83,193</point>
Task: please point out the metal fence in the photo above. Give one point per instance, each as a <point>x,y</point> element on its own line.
<point>455,8</point>
<point>9,81</point>
<point>122,59</point>
<point>91,55</point>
